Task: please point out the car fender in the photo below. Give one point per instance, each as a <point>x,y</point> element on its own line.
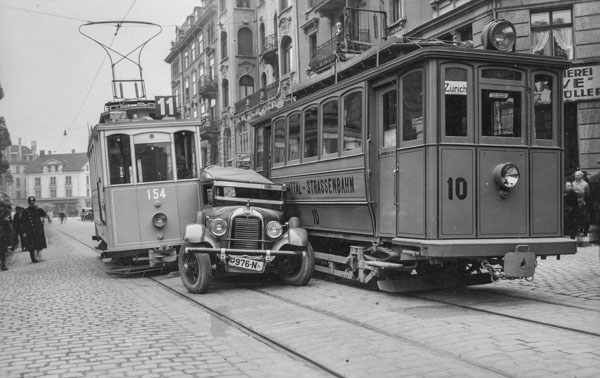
<point>294,236</point>
<point>198,233</point>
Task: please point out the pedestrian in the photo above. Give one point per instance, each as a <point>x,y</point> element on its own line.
<point>32,227</point>
<point>6,230</point>
<point>63,217</point>
<point>570,210</point>
<point>19,238</point>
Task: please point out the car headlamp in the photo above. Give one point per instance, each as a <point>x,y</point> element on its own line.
<point>218,226</point>
<point>159,220</point>
<point>499,35</point>
<point>274,229</point>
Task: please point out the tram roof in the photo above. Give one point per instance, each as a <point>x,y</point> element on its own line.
<point>399,52</point>
<point>214,172</point>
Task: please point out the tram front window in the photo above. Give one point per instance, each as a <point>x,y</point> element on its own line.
<point>500,113</point>
<point>153,157</point>
<point>119,159</point>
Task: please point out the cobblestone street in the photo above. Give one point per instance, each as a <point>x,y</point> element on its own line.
<point>66,317</point>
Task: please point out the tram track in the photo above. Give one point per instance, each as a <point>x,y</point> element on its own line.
<point>289,349</point>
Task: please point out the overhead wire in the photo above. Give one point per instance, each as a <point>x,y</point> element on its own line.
<point>67,131</point>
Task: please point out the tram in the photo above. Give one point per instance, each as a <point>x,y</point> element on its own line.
<point>424,165</point>
<point>144,169</point>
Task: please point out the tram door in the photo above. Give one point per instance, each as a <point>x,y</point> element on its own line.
<point>383,158</point>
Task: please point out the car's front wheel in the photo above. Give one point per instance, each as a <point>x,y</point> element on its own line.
<point>195,270</point>
<point>297,270</point>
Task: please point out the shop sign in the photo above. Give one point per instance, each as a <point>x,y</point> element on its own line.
<point>581,83</point>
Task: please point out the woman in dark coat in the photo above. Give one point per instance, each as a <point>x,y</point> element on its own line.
<point>32,228</point>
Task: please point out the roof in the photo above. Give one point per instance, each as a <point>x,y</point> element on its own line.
<point>71,162</point>
<point>214,172</point>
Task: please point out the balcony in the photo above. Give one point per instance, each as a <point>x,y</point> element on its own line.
<point>363,29</point>
<point>263,95</point>
<point>207,86</point>
<point>324,55</point>
<point>269,50</point>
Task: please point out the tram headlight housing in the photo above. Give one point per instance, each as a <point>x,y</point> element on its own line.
<point>159,220</point>
<point>499,35</point>
<point>506,176</point>
<point>218,226</point>
<point>274,229</point>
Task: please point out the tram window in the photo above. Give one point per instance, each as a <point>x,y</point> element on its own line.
<point>500,74</point>
<point>389,118</point>
<point>311,129</point>
<point>455,98</point>
<point>279,141</point>
<point>260,148</point>
<point>412,106</point>
<point>500,113</point>
<point>294,136</point>
<point>153,157</point>
<point>185,155</point>
<point>119,159</point>
<point>352,121</point>
<point>543,106</point>
<point>330,127</point>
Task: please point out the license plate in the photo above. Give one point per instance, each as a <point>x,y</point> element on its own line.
<point>241,262</point>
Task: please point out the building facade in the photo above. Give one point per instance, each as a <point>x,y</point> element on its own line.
<point>60,182</point>
<point>241,58</point>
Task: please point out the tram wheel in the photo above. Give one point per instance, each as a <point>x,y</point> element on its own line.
<point>297,270</point>
<point>195,270</point>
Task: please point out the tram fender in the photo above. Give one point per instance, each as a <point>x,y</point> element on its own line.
<point>294,236</point>
<point>197,233</point>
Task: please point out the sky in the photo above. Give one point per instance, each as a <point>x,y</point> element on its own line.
<point>57,81</point>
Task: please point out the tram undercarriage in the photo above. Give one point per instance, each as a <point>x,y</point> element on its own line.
<point>405,269</point>
<point>140,261</point>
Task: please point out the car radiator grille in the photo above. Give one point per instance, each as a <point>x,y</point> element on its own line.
<point>246,233</point>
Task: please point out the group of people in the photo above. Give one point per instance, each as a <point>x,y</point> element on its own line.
<point>26,227</point>
<point>578,206</point>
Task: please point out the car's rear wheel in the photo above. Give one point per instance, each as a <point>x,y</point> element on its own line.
<point>297,270</point>
<point>195,270</point>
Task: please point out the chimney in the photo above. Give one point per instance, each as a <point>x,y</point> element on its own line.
<point>42,153</point>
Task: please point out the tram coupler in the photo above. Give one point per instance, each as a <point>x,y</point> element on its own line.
<point>519,264</point>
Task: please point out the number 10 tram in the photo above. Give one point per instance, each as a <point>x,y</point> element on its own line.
<point>424,165</point>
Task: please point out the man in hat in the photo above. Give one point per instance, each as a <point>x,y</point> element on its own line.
<point>32,228</point>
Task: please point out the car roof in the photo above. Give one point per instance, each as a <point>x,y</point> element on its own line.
<point>214,172</point>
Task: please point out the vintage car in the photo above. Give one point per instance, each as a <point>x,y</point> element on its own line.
<point>240,228</point>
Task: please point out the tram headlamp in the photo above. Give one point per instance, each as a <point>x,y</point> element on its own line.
<point>218,227</point>
<point>506,176</point>
<point>274,229</point>
<point>159,220</point>
<point>499,35</point>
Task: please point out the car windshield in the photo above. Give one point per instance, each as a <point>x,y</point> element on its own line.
<point>228,195</point>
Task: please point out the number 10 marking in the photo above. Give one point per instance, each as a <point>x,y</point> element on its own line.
<point>459,187</point>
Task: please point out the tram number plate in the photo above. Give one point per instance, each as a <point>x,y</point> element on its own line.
<point>244,263</point>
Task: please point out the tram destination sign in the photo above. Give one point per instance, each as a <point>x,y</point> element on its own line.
<point>581,83</point>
